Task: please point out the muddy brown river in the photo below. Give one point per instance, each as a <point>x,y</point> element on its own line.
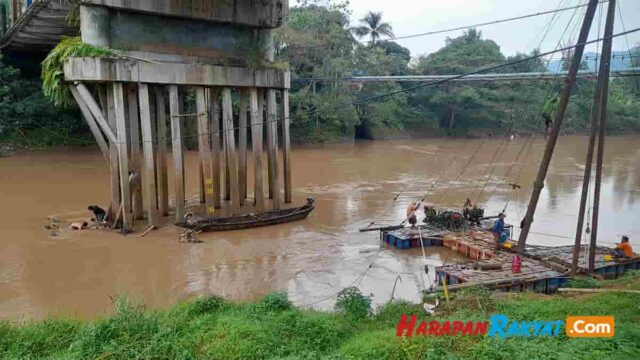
<point>78,273</point>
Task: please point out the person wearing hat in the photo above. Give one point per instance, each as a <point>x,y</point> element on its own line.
<point>497,230</point>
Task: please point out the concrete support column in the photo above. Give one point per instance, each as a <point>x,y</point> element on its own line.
<point>95,23</point>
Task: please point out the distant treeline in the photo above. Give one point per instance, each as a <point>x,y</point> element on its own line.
<point>319,42</point>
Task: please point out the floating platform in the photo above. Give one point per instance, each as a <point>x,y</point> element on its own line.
<point>563,256</point>
<point>543,269</point>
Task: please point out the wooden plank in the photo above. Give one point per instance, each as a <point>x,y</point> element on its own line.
<point>161,123</point>
<point>204,148</point>
<point>272,148</point>
<point>225,161</point>
<point>93,125</point>
<point>154,134</point>
<point>243,108</point>
<point>286,147</point>
<point>214,116</point>
<point>148,152</point>
<point>265,118</point>
<point>96,112</point>
<point>113,153</point>
<point>185,72</point>
<point>178,155</point>
<point>121,127</point>
<point>136,152</point>
<point>230,149</point>
<point>256,139</point>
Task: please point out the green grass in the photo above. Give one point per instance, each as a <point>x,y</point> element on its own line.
<point>212,328</point>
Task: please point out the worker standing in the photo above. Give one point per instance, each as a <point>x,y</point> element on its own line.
<point>497,230</point>
<point>411,213</point>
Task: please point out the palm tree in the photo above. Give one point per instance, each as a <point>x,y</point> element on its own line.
<point>373,27</point>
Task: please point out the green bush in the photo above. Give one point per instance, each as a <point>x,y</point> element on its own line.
<point>205,305</point>
<point>353,304</point>
<point>276,301</point>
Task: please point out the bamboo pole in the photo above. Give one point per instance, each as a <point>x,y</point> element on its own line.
<point>593,130</point>
<point>602,117</point>
<point>161,124</point>
<point>230,149</point>
<point>256,138</point>
<point>557,122</point>
<point>136,153</point>
<point>178,154</point>
<point>121,127</point>
<point>286,147</point>
<point>243,107</point>
<point>272,148</point>
<point>214,116</point>
<point>148,153</point>
<point>204,148</point>
<point>113,151</point>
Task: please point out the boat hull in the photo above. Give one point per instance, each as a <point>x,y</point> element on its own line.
<point>249,221</point>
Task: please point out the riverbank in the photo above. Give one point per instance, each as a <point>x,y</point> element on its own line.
<point>212,328</point>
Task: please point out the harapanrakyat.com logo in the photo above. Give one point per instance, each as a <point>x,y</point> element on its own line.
<point>501,326</point>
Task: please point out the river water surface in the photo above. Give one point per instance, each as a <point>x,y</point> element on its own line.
<point>78,273</point>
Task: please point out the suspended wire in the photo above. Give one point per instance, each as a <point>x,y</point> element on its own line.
<point>400,91</point>
<point>497,156</point>
<point>457,28</point>
<point>548,28</point>
<point>436,155</point>
<point>626,39</point>
<point>449,185</point>
<point>358,280</point>
<point>549,91</point>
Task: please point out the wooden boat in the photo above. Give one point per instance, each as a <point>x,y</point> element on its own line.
<point>250,220</point>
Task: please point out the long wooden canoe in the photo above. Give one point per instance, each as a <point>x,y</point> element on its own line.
<point>250,220</point>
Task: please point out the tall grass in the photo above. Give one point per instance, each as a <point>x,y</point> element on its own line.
<point>213,328</point>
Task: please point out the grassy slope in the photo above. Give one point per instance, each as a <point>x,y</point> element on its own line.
<point>209,328</point>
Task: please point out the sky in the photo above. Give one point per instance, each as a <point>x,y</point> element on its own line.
<point>419,16</point>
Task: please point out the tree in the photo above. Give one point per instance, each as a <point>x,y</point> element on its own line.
<point>373,27</point>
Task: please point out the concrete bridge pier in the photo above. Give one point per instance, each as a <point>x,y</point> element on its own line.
<point>168,53</point>
<point>142,134</point>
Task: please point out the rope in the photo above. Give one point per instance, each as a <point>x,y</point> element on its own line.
<point>550,88</point>
<point>498,153</point>
<point>462,172</point>
<point>404,90</point>
<point>435,183</point>
<point>440,149</point>
<point>355,282</point>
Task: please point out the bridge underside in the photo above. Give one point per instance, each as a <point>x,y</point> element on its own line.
<point>39,29</point>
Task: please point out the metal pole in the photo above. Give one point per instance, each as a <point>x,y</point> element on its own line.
<point>603,80</point>
<point>606,48</point>
<point>557,122</point>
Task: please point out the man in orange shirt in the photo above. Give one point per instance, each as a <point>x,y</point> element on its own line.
<point>623,249</point>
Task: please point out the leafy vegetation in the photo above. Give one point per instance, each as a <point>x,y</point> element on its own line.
<point>212,328</point>
<point>27,118</point>
<point>54,86</point>
<point>373,26</point>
